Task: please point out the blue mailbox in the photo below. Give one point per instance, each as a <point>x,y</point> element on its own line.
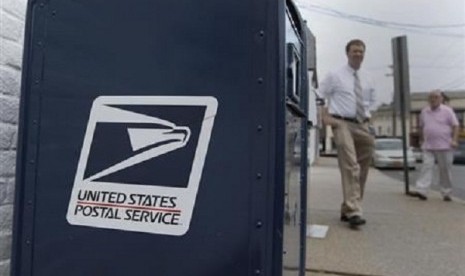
<point>160,137</point>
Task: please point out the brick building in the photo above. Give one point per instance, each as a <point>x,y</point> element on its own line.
<point>12,17</point>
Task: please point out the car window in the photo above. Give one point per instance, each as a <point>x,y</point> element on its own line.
<point>388,145</point>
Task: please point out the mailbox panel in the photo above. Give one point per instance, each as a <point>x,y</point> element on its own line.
<point>150,139</point>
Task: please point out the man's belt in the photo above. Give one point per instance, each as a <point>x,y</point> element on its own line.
<point>352,120</point>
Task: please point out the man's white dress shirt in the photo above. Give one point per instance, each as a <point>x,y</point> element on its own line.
<point>339,91</point>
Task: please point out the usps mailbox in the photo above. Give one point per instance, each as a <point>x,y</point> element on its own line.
<point>160,137</point>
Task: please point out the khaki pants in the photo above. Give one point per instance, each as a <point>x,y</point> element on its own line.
<point>354,151</point>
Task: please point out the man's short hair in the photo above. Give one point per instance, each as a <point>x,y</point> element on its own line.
<point>355,42</point>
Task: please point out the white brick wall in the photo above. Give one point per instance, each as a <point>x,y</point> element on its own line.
<point>12,15</point>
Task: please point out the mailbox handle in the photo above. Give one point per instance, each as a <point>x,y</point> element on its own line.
<point>295,109</point>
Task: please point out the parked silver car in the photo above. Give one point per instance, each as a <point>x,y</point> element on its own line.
<point>388,153</point>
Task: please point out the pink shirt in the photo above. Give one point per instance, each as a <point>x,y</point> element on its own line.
<point>437,127</point>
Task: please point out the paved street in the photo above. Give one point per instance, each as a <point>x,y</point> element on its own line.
<point>458,178</point>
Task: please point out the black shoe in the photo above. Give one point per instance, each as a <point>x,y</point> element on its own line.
<point>421,196</point>
<point>345,218</point>
<point>447,198</point>
<point>356,221</point>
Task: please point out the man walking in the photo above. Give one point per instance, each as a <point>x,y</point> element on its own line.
<point>439,133</point>
<point>350,96</point>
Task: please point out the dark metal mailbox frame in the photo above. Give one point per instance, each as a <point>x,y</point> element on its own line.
<point>207,82</point>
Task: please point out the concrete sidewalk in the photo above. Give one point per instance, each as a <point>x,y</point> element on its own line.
<point>403,235</point>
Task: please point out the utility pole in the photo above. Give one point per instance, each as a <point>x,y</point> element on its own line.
<point>394,122</point>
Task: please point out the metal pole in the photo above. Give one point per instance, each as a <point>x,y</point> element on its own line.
<point>404,143</point>
<point>401,79</point>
